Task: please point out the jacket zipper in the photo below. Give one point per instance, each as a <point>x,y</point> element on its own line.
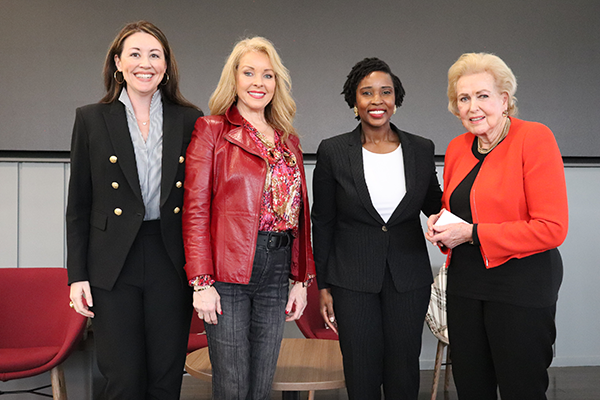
<point>475,214</point>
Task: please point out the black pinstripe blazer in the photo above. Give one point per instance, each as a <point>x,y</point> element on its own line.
<point>351,242</point>
<point>105,208</point>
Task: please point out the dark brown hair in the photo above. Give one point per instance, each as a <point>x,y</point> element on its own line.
<point>170,90</point>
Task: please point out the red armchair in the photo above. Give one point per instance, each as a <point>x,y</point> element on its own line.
<point>311,323</point>
<point>38,329</point>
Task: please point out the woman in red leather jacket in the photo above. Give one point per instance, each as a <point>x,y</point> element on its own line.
<point>246,223</point>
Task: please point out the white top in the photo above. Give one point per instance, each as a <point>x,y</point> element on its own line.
<point>384,174</point>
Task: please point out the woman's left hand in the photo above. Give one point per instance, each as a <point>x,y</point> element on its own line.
<point>296,302</point>
<point>452,235</point>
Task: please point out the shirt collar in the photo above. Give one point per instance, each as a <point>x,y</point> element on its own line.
<point>154,103</point>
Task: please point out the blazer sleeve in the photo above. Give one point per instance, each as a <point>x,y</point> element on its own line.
<point>79,203</point>
<point>433,198</point>
<point>545,226</point>
<point>323,212</point>
<point>197,201</point>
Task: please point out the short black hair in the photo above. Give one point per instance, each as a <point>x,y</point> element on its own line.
<point>364,68</point>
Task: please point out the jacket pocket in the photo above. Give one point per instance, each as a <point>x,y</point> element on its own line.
<point>98,220</point>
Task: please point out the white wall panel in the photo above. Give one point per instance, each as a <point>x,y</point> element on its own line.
<point>41,215</point>
<point>67,174</point>
<point>577,310</point>
<point>9,197</point>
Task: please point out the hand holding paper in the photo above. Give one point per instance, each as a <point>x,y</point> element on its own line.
<point>443,235</point>
<point>448,218</point>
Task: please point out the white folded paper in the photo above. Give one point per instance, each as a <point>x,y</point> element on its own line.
<point>448,218</point>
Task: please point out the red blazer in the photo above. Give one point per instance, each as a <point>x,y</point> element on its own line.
<point>225,177</point>
<point>519,198</point>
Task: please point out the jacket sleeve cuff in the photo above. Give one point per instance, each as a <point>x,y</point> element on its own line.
<point>475,241</point>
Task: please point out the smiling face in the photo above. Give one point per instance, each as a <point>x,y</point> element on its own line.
<point>142,63</point>
<point>375,99</point>
<point>255,82</point>
<point>480,105</point>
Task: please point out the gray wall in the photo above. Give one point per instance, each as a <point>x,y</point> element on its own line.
<point>53,52</point>
<point>32,233</point>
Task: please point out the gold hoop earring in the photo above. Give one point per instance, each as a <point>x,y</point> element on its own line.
<point>165,82</point>
<point>355,111</point>
<point>116,79</point>
<point>505,113</point>
<point>395,109</point>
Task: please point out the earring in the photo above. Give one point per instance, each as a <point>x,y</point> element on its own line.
<point>505,113</point>
<point>355,111</point>
<point>395,109</point>
<point>165,82</point>
<point>116,79</point>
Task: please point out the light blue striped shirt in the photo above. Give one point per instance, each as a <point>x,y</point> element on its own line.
<point>148,154</point>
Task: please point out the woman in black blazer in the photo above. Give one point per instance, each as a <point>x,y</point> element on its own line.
<point>124,243</point>
<point>369,188</point>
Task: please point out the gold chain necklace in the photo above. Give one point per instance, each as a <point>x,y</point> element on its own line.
<point>481,150</point>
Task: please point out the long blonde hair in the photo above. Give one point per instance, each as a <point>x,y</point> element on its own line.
<point>474,63</point>
<point>280,112</point>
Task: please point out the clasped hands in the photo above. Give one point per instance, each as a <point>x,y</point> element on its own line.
<point>448,235</point>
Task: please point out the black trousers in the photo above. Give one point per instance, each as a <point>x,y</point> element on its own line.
<point>380,337</point>
<point>500,346</point>
<point>141,326</point>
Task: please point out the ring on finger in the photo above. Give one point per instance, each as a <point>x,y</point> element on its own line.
<point>71,304</point>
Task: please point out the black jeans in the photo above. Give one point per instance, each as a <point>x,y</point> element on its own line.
<point>244,344</point>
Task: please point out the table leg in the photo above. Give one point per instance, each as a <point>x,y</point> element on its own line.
<point>290,395</point>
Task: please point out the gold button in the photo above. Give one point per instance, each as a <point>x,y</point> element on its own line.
<point>113,159</point>
<point>181,159</point>
<point>178,185</point>
<point>176,210</point>
<point>115,185</point>
<point>118,211</point>
<point>384,228</point>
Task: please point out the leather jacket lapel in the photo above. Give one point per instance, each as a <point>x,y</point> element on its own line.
<point>242,139</point>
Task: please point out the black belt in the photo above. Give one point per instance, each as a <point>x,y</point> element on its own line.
<point>274,240</point>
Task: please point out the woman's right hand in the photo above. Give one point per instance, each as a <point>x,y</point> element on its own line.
<point>81,297</point>
<point>207,304</point>
<point>326,307</point>
<point>433,218</point>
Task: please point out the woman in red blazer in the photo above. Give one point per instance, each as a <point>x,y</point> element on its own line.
<point>246,220</point>
<point>505,179</point>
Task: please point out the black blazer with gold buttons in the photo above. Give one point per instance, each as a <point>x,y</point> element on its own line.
<point>352,244</point>
<point>105,209</point>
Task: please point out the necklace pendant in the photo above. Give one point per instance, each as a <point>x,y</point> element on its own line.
<point>145,123</point>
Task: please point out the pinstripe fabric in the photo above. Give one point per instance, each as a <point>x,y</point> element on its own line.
<point>148,154</point>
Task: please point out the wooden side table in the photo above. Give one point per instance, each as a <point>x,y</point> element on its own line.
<point>303,365</point>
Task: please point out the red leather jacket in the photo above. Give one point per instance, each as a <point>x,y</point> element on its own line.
<point>224,181</point>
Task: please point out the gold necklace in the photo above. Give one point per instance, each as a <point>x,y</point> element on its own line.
<point>264,140</point>
<point>481,150</point>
